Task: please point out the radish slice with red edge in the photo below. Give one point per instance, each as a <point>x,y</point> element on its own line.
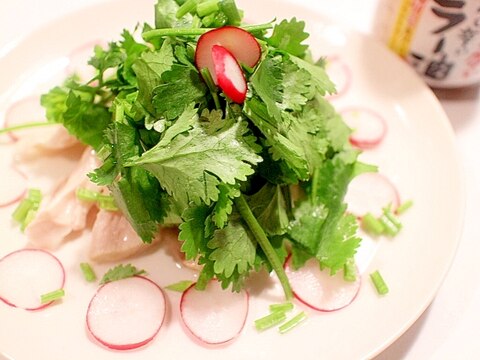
<point>24,111</point>
<point>126,314</point>
<point>26,275</point>
<point>240,43</point>
<point>318,289</point>
<point>214,315</point>
<point>369,128</point>
<point>370,193</point>
<point>14,186</point>
<point>230,77</point>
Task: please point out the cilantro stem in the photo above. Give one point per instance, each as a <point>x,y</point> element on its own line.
<point>247,215</point>
<point>211,86</point>
<point>26,126</point>
<point>151,34</point>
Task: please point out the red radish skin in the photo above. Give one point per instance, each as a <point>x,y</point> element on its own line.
<point>341,75</point>
<point>240,43</point>
<point>27,274</point>
<point>230,77</point>
<point>370,193</point>
<point>23,111</point>
<point>14,186</point>
<point>369,128</point>
<point>214,316</point>
<point>318,289</point>
<point>126,314</point>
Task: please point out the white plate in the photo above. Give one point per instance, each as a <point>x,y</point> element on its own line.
<point>418,155</point>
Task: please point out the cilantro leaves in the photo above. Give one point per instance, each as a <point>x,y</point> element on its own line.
<point>243,183</point>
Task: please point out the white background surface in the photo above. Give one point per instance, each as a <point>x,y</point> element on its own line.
<point>448,329</point>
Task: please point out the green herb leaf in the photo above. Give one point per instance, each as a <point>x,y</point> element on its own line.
<point>120,272</point>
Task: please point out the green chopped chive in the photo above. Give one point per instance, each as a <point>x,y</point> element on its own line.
<point>391,224</point>
<point>88,272</point>
<point>22,209</point>
<point>186,7</point>
<point>293,322</point>
<point>180,286</point>
<point>372,225</point>
<point>207,7</point>
<point>28,219</point>
<point>26,210</point>
<point>404,207</point>
<point>107,202</point>
<point>394,219</point>
<point>87,195</point>
<point>52,296</point>
<point>270,320</point>
<point>35,196</point>
<point>350,270</point>
<point>379,282</point>
<point>283,307</point>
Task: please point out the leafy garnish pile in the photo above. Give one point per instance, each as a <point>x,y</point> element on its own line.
<point>247,184</point>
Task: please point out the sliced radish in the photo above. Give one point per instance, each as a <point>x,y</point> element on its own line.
<point>340,74</point>
<point>215,315</point>
<point>24,111</point>
<point>127,313</point>
<point>229,74</point>
<point>318,289</point>
<point>369,128</point>
<point>240,43</point>
<point>14,186</point>
<point>26,275</point>
<point>370,193</point>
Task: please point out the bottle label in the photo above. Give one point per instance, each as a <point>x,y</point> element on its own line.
<point>440,39</point>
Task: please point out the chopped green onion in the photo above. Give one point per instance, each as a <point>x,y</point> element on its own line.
<point>27,208</point>
<point>391,224</point>
<point>206,8</point>
<point>372,225</point>
<point>404,207</point>
<point>28,219</point>
<point>87,195</point>
<point>350,270</point>
<point>293,322</point>
<point>35,196</point>
<point>379,283</point>
<point>107,202</point>
<point>391,216</point>
<point>20,213</point>
<point>186,7</point>
<point>270,320</point>
<point>52,296</point>
<point>88,272</point>
<point>283,307</point>
<point>180,286</point>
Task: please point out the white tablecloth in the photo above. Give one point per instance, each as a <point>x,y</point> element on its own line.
<point>448,329</point>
